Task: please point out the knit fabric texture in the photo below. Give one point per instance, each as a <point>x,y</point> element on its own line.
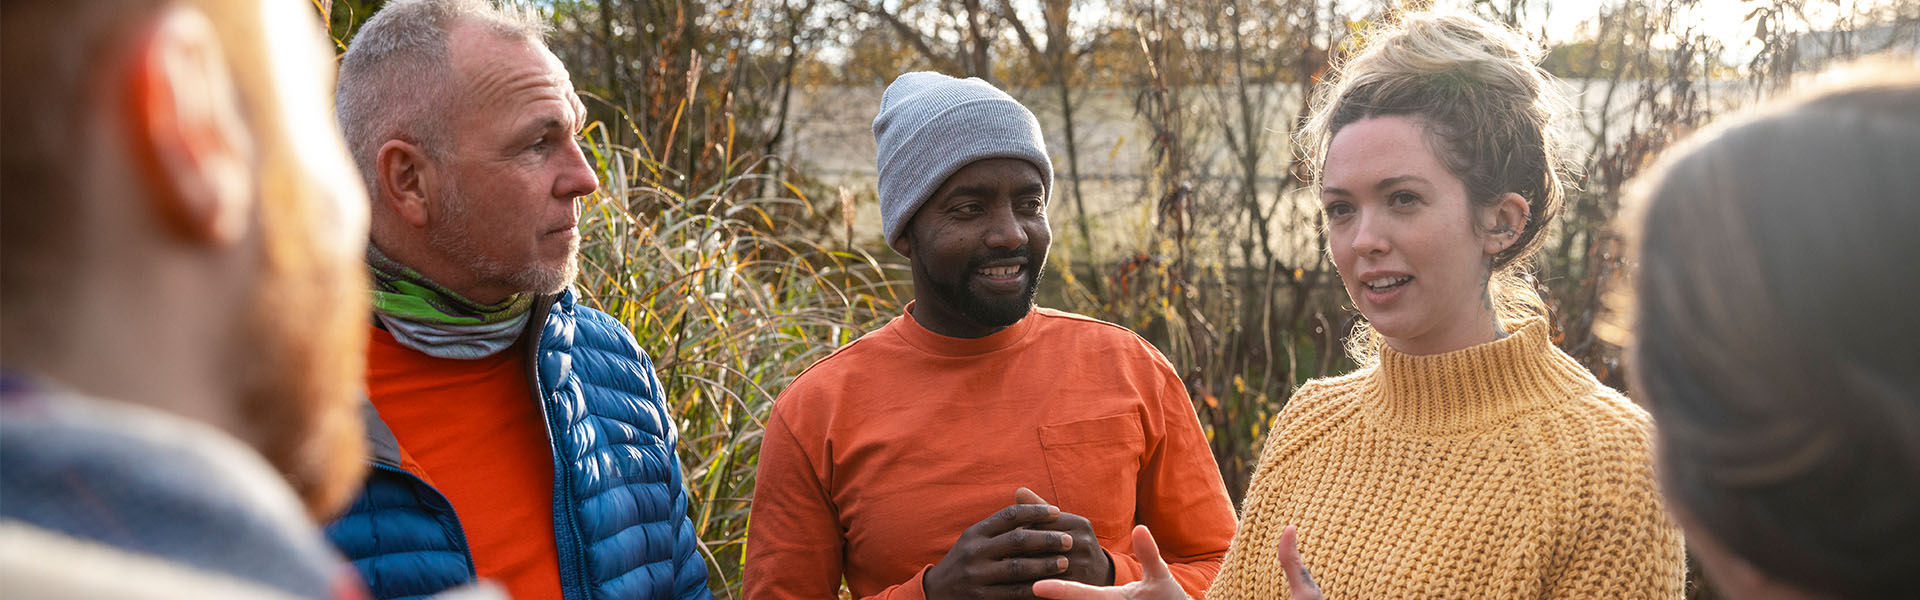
<point>931,125</point>
<point>1504,470</point>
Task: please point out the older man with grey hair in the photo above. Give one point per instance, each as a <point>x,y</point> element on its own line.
<point>515,434</point>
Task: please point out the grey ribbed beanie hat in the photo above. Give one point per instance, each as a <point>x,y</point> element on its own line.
<point>930,125</point>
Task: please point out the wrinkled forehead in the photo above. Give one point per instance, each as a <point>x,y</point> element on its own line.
<point>490,66</point>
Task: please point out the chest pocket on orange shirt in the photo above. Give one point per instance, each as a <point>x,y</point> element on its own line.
<point>1095,467</point>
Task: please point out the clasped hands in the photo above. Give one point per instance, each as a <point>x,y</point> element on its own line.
<point>1031,549</point>
<point>1003,555</point>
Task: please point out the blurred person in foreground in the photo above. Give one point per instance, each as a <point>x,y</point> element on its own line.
<point>516,434</point>
<point>907,461</point>
<point>1468,456</point>
<point>1775,340</point>
<point>179,298</point>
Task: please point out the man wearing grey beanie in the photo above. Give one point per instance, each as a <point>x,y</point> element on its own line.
<point>977,444</point>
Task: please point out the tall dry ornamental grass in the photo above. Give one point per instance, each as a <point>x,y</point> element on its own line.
<point>730,309</point>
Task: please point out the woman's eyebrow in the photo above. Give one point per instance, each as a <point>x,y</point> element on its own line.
<point>1397,180</point>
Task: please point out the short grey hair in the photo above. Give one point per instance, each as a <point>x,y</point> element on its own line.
<point>395,78</point>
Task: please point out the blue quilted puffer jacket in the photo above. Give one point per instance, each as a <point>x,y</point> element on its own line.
<point>619,506</point>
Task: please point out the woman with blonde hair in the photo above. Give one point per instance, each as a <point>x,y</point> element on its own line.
<point>1467,457</point>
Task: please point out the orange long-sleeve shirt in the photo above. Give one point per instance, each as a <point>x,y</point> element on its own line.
<point>878,456</point>
<point>475,432</point>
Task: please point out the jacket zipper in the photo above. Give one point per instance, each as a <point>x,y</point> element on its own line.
<point>573,582</point>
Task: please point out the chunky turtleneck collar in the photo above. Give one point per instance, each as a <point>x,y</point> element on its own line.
<point>1473,389</point>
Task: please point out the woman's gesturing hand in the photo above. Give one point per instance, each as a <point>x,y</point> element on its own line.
<point>1157,582</point>
<point>1300,585</point>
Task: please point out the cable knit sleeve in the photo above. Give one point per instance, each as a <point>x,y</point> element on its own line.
<point>1624,544</point>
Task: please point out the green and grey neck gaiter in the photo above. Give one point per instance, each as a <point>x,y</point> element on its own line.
<point>425,316</point>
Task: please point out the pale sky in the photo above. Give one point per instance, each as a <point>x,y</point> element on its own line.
<point>1721,19</point>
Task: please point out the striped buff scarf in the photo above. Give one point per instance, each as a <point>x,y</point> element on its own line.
<point>424,316</point>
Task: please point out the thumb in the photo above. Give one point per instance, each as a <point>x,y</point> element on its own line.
<point>1300,585</point>
<point>1073,590</point>
<point>1026,496</point>
<point>1152,568</point>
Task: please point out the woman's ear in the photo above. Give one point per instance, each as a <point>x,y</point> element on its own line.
<point>1503,222</point>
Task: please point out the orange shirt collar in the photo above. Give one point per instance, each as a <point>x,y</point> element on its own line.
<point>933,343</point>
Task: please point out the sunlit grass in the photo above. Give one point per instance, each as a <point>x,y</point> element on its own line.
<point>731,304</point>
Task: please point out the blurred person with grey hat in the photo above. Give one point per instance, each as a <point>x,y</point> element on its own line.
<point>977,443</point>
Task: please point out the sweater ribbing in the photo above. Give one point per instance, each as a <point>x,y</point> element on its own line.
<point>1503,470</point>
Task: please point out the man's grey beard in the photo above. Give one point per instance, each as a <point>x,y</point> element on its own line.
<point>453,239</point>
<point>543,281</point>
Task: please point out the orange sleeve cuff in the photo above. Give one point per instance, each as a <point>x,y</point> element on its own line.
<point>911,589</point>
<point>1126,568</point>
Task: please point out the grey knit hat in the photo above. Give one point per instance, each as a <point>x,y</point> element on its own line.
<point>930,125</point>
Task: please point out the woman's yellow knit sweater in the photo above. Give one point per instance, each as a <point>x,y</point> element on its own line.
<point>1498,471</point>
